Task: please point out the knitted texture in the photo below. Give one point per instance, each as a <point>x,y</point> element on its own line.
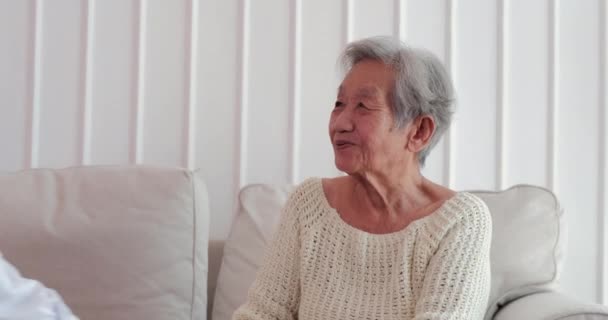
<point>319,267</point>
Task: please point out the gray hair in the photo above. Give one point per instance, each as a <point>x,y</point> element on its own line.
<point>422,84</point>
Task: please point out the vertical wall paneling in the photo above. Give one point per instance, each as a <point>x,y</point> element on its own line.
<point>59,105</point>
<point>603,161</point>
<point>552,94</point>
<point>426,25</point>
<point>322,26</point>
<point>578,137</point>
<point>450,61</point>
<point>243,90</point>
<point>400,19</point>
<point>348,21</point>
<point>268,100</point>
<point>502,90</point>
<point>166,77</point>
<point>16,33</point>
<point>112,81</point>
<point>295,48</point>
<point>474,113</point>
<point>190,94</point>
<point>372,18</point>
<point>34,115</point>
<point>137,116</point>
<point>244,18</point>
<point>87,25</point>
<point>217,105</point>
<point>527,84</point>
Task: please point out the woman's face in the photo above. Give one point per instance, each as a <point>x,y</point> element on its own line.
<point>361,126</point>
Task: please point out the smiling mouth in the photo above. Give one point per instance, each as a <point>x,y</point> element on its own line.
<point>343,144</point>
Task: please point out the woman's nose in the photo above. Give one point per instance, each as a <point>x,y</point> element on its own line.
<point>344,120</point>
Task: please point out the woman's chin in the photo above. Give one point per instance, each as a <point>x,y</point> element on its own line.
<point>345,166</point>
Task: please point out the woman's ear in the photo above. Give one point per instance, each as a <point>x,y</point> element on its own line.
<point>421,132</point>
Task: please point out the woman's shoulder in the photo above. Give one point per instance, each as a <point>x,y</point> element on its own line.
<point>472,204</point>
<point>318,188</point>
<point>464,211</point>
<point>307,190</point>
<point>307,201</point>
<point>470,211</point>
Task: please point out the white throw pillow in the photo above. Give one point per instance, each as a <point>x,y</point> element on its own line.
<point>114,242</point>
<point>252,229</point>
<point>527,243</point>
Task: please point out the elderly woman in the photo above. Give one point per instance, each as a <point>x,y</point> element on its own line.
<point>381,242</point>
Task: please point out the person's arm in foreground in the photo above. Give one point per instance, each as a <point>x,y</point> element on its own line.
<point>22,298</point>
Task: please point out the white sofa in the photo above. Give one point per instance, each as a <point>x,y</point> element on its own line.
<point>132,243</point>
<point>115,242</point>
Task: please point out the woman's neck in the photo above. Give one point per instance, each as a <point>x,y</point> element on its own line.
<point>393,195</point>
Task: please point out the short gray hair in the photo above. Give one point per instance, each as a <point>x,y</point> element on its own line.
<point>422,84</point>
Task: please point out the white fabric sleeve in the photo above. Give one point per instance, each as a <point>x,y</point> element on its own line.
<point>25,299</point>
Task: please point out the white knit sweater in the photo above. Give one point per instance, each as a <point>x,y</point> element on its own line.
<point>320,267</point>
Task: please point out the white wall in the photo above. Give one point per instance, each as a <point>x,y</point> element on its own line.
<point>243,90</point>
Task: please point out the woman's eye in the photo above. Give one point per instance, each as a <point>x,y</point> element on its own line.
<point>361,105</point>
<point>338,104</point>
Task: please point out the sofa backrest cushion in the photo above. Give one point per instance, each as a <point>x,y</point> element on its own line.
<point>526,252</point>
<point>528,243</point>
<point>114,242</point>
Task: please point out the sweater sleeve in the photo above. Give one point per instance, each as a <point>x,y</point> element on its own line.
<point>456,284</point>
<point>275,293</point>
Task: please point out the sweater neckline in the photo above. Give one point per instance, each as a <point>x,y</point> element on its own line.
<point>395,235</point>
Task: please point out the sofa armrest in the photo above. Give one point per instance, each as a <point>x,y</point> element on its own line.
<point>549,306</point>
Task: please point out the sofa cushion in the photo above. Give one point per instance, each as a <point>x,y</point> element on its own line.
<point>551,305</point>
<point>115,242</point>
<point>526,245</point>
<point>252,229</point>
